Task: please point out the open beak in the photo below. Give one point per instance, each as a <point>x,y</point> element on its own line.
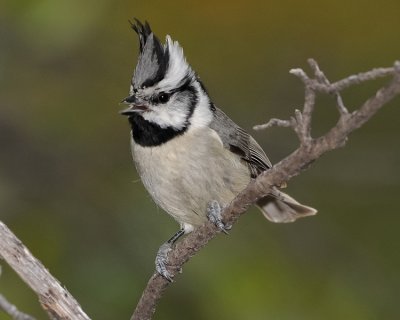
<point>134,106</point>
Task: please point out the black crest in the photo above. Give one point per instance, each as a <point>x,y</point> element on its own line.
<point>143,31</point>
<point>153,57</point>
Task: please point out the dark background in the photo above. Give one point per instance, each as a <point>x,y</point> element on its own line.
<point>69,190</point>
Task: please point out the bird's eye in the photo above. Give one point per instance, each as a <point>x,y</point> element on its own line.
<point>163,97</point>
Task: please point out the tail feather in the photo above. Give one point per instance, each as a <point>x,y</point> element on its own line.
<point>281,208</point>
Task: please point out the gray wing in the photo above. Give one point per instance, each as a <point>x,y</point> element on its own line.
<point>240,142</point>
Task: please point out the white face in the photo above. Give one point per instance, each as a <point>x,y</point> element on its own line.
<point>169,109</point>
<point>179,108</point>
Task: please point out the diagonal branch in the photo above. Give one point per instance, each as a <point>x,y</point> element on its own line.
<point>55,299</point>
<point>309,150</point>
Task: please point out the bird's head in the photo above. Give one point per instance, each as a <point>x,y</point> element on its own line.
<point>164,90</point>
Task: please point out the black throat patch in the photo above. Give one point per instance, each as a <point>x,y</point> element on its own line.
<point>149,134</point>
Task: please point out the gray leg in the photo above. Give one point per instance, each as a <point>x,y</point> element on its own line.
<point>214,211</point>
<point>162,255</point>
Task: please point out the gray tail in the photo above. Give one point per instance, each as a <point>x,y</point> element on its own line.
<point>281,208</point>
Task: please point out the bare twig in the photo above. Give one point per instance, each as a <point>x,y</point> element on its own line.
<point>310,149</point>
<point>274,123</point>
<point>56,300</point>
<point>320,76</point>
<point>12,310</point>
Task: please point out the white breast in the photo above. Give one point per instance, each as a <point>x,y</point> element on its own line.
<point>184,174</point>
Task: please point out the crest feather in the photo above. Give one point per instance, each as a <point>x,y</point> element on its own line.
<point>158,63</point>
<point>153,58</point>
<point>143,31</point>
<point>178,69</point>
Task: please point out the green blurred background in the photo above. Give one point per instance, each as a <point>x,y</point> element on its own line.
<point>69,190</point>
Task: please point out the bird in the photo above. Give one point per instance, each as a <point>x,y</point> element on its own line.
<point>191,157</point>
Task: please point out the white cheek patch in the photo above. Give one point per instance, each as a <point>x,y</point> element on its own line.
<point>202,115</point>
<point>173,114</point>
<point>165,118</point>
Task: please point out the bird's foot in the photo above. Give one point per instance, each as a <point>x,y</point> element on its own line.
<point>214,211</point>
<point>162,259</point>
<point>162,255</point>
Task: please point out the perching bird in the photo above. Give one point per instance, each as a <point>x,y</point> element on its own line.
<point>192,158</point>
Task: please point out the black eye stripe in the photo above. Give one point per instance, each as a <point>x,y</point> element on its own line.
<point>183,87</point>
<point>163,97</point>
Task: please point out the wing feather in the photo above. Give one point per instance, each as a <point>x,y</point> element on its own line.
<point>240,142</point>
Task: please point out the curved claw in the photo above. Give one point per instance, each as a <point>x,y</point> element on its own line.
<point>214,211</point>
<point>162,259</point>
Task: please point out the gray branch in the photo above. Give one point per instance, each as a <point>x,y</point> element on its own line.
<point>12,310</point>
<point>55,299</point>
<point>310,149</point>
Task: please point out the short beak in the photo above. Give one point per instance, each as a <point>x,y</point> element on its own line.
<point>134,106</point>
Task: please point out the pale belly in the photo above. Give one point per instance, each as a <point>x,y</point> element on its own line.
<point>186,173</point>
